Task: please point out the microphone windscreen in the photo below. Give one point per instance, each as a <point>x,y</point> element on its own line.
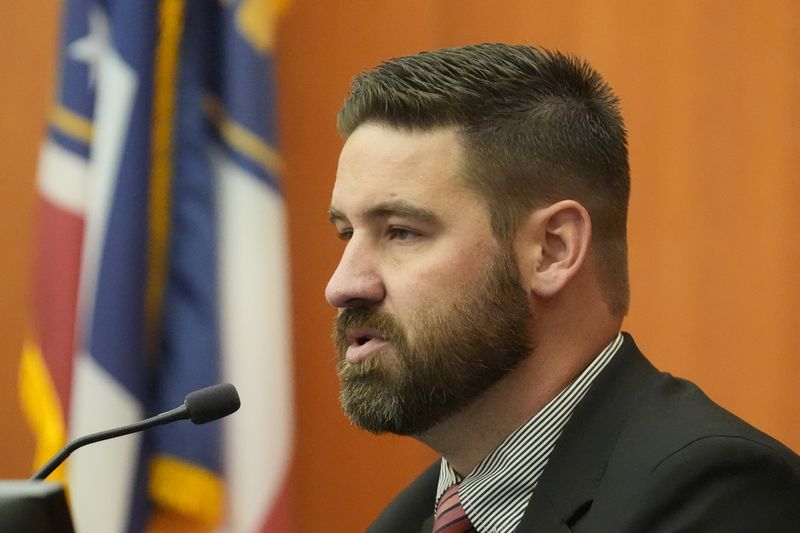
<point>211,403</point>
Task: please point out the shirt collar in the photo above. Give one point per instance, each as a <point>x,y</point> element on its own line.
<point>496,493</point>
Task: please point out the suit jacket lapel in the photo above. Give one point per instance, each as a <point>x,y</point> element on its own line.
<point>576,467</point>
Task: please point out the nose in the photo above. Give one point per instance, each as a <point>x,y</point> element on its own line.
<point>356,281</point>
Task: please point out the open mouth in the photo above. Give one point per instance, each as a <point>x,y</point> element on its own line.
<point>364,339</point>
<point>361,336</point>
<point>362,343</point>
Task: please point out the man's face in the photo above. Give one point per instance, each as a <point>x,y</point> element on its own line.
<point>432,311</point>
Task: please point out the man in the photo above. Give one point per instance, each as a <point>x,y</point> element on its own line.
<point>482,196</point>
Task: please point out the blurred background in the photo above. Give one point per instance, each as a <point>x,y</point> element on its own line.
<point>710,92</point>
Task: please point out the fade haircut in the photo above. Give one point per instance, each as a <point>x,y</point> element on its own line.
<point>537,126</point>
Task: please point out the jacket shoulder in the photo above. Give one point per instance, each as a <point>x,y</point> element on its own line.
<point>683,463</point>
<point>674,413</point>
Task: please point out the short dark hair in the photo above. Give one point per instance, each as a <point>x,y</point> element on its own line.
<point>538,126</point>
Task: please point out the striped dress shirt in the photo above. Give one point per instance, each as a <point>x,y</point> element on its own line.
<point>496,493</point>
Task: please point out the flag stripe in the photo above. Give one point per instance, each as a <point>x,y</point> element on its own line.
<point>57,271</point>
<point>170,16</point>
<point>71,123</point>
<point>108,473</point>
<point>62,178</point>
<point>255,318</point>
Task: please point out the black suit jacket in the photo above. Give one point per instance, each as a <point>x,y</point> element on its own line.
<point>644,452</point>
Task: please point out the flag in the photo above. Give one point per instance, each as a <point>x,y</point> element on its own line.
<point>161,264</point>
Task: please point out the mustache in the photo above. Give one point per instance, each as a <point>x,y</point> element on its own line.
<point>384,324</point>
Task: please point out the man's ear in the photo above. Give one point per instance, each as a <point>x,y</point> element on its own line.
<point>552,246</point>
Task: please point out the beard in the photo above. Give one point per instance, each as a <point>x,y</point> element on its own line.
<point>442,361</point>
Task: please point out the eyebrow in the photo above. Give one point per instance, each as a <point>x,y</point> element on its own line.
<point>391,208</point>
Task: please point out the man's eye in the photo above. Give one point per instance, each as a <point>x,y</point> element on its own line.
<point>345,235</point>
<point>401,234</point>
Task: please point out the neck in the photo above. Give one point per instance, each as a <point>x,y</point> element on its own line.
<point>468,436</point>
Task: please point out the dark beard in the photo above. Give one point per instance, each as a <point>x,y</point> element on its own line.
<point>456,355</point>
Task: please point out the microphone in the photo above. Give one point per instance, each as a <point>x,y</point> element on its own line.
<point>200,406</point>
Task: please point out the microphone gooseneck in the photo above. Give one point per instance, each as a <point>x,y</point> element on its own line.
<point>201,406</point>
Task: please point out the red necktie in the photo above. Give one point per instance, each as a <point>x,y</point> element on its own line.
<point>450,515</point>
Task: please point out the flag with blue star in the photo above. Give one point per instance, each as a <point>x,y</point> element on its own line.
<point>161,264</point>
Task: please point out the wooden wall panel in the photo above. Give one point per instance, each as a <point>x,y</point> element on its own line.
<point>708,92</point>
<point>27,35</point>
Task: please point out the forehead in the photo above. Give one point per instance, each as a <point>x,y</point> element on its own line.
<point>379,163</point>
